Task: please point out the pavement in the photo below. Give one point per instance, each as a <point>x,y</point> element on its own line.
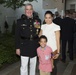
<point>68,68</point>
<point>74,70</point>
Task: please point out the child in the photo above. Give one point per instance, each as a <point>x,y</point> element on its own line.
<point>45,56</point>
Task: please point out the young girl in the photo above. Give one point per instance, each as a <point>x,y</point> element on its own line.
<point>52,32</point>
<point>45,57</point>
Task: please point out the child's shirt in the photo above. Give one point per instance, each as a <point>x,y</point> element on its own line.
<point>45,59</point>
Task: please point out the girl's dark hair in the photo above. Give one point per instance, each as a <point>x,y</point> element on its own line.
<point>49,12</point>
<point>43,37</point>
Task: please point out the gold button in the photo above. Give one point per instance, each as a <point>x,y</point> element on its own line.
<point>23,28</point>
<point>30,25</point>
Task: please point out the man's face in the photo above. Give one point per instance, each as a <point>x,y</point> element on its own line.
<point>29,11</point>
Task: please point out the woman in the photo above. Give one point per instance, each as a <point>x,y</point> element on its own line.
<point>52,32</point>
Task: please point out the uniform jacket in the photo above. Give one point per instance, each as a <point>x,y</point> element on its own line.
<point>26,35</point>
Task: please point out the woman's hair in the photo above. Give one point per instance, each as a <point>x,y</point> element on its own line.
<point>43,37</point>
<point>49,12</point>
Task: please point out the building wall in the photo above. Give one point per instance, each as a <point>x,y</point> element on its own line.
<point>6,14</point>
<point>70,2</point>
<point>52,4</point>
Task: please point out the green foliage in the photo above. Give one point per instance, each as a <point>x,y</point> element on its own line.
<point>7,49</point>
<point>14,3</point>
<point>2,1</point>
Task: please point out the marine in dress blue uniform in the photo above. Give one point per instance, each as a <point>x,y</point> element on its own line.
<point>27,30</point>
<point>26,34</point>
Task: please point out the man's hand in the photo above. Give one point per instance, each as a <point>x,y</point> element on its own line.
<point>18,52</point>
<point>56,56</point>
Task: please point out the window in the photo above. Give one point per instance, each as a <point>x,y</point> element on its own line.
<point>72,7</point>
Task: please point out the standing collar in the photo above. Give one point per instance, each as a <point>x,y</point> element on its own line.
<point>23,16</point>
<point>50,24</point>
<point>29,17</point>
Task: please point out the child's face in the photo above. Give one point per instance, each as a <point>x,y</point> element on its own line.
<point>43,42</point>
<point>48,19</point>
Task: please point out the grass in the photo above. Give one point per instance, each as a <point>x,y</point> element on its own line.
<point>7,50</point>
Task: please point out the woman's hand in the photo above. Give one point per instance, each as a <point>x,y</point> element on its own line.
<point>56,56</point>
<point>58,43</point>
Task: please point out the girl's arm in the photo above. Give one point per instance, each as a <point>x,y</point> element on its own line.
<point>57,33</point>
<point>58,40</point>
